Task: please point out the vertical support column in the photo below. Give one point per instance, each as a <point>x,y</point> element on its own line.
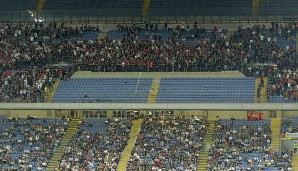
<point>279,114</point>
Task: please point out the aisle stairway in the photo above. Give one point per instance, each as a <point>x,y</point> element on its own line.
<point>275,128</point>
<point>73,125</point>
<point>203,156</point>
<point>295,162</point>
<point>49,93</point>
<point>146,6</point>
<point>296,43</point>
<point>102,35</point>
<point>40,5</point>
<point>130,144</point>
<point>153,91</point>
<point>255,7</point>
<point>263,90</point>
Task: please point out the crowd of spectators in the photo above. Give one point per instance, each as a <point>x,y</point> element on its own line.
<point>260,44</point>
<point>289,125</point>
<point>28,144</point>
<point>283,83</point>
<point>167,143</point>
<point>97,145</point>
<point>245,145</point>
<point>27,52</point>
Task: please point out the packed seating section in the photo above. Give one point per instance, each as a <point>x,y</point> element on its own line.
<point>289,125</point>
<point>206,90</point>
<point>28,143</point>
<point>96,145</point>
<point>240,144</point>
<point>29,50</point>
<point>104,90</point>
<point>282,86</point>
<point>167,143</point>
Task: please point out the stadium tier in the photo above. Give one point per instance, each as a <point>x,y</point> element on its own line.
<point>18,5</point>
<point>136,48</point>
<point>185,36</point>
<point>105,90</point>
<point>199,7</point>
<point>148,85</point>
<point>28,144</point>
<point>206,90</point>
<point>95,7</point>
<point>167,144</point>
<point>289,125</point>
<point>97,144</point>
<point>273,7</point>
<point>245,145</point>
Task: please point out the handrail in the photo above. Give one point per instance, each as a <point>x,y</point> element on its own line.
<point>147,106</point>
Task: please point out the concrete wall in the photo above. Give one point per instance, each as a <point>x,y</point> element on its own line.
<point>210,113</point>
<point>289,113</point>
<point>38,113</point>
<point>236,114</point>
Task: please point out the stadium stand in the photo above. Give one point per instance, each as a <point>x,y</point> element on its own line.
<point>245,145</point>
<point>38,61</point>
<point>18,5</point>
<point>97,145</point>
<point>166,142</point>
<point>139,47</point>
<point>29,143</point>
<point>201,7</point>
<point>273,7</point>
<point>206,90</point>
<point>156,7</point>
<point>105,90</point>
<point>261,44</point>
<point>282,87</point>
<point>96,7</point>
<point>289,125</point>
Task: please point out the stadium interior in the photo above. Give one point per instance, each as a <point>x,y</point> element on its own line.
<point>148,85</point>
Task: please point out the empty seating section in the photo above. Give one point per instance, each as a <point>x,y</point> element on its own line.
<point>199,7</point>
<point>147,35</point>
<point>104,90</point>
<point>18,5</point>
<point>245,145</point>
<point>29,144</point>
<point>166,143</point>
<point>278,7</point>
<point>206,90</point>
<point>91,35</point>
<point>115,34</point>
<point>97,145</point>
<point>97,7</point>
<point>185,37</point>
<point>283,42</point>
<point>157,7</point>
<point>86,35</point>
<point>289,125</point>
<point>280,99</point>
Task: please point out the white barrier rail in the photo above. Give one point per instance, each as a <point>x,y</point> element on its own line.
<point>146,106</point>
